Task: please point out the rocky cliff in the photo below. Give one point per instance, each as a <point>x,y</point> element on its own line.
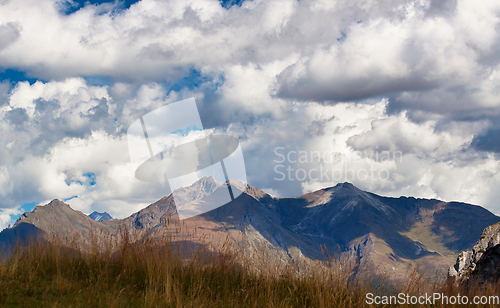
<point>482,261</point>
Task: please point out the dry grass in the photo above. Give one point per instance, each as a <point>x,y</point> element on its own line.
<point>152,271</point>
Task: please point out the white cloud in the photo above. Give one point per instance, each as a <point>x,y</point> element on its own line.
<point>6,217</point>
<point>333,51</point>
<point>416,77</point>
<point>72,94</point>
<point>61,174</point>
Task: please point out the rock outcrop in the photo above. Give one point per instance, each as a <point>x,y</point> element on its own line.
<point>482,260</point>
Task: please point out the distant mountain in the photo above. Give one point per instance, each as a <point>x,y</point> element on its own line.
<point>100,216</point>
<point>389,234</point>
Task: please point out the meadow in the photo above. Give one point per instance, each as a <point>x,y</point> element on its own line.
<point>161,272</point>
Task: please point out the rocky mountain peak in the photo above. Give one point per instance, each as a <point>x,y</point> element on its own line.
<point>207,184</point>
<point>346,185</point>
<point>57,203</point>
<point>52,205</point>
<point>346,189</point>
<point>199,189</point>
<point>100,216</point>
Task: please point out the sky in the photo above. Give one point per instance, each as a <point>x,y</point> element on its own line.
<point>398,97</point>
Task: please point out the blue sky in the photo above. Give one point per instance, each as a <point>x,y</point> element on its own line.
<point>78,4</point>
<point>342,79</point>
<point>14,76</point>
<point>123,5</point>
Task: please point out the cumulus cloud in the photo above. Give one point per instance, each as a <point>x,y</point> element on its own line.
<point>4,93</point>
<point>9,33</point>
<point>56,134</point>
<point>5,217</point>
<point>433,60</point>
<point>326,84</point>
<point>436,56</point>
<point>88,172</point>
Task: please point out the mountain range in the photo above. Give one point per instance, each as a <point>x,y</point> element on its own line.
<point>390,235</point>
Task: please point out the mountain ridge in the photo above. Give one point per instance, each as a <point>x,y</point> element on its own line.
<point>383,232</point>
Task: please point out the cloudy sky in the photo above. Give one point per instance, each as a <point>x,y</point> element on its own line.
<point>398,97</point>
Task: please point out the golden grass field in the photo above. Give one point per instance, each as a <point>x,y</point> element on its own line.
<point>153,272</point>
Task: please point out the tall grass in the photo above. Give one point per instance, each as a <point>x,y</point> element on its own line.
<point>161,271</point>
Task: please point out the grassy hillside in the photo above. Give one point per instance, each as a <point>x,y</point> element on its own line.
<point>166,273</point>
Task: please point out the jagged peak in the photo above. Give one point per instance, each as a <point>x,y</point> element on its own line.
<point>205,182</point>
<point>97,216</point>
<point>54,203</point>
<point>346,185</point>
<point>239,185</point>
<point>345,188</point>
<point>209,179</point>
<point>209,183</point>
<point>252,191</point>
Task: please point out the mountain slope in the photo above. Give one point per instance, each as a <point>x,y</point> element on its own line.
<point>58,217</point>
<point>389,234</point>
